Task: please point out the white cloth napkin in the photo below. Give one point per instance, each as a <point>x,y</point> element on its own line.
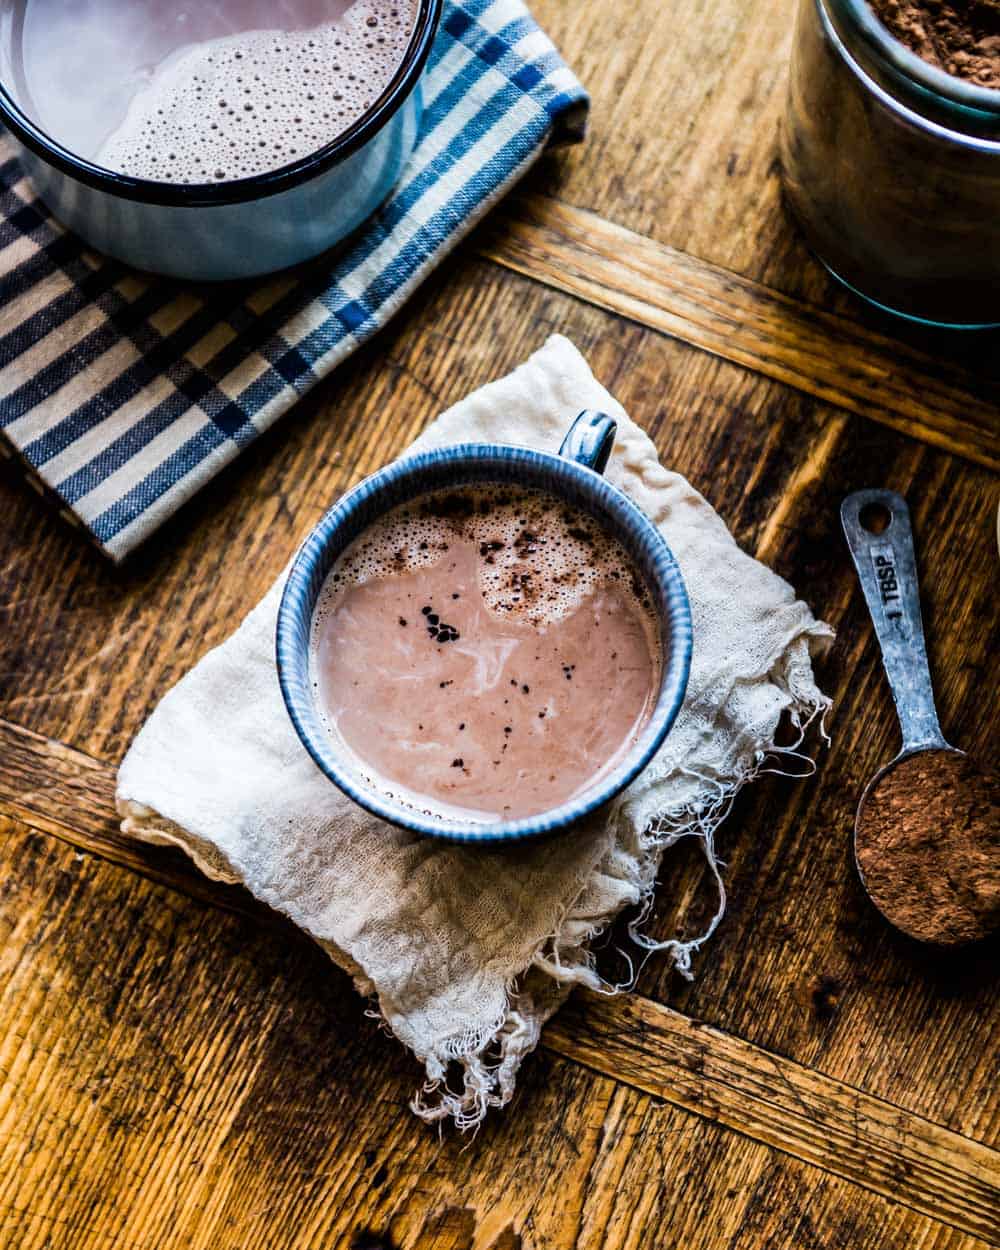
<point>470,950</point>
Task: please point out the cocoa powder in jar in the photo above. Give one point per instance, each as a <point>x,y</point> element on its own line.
<point>962,37</point>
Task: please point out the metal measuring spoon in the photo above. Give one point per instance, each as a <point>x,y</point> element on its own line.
<point>927,831</point>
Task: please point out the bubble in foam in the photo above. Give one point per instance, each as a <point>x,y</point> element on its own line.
<point>539,558</point>
<point>250,103</point>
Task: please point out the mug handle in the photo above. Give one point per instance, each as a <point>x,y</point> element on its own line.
<point>590,439</point>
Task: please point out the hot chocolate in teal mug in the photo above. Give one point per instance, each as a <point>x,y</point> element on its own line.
<point>594,511</point>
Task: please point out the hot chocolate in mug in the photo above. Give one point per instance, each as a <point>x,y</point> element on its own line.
<point>485,642</point>
<point>200,143</point>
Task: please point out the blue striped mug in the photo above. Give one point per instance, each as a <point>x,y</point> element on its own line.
<point>575,475</point>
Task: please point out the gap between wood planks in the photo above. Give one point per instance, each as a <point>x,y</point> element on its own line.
<point>837,360</point>
<point>58,790</point>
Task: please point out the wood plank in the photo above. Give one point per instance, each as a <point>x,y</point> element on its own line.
<point>88,650</point>
<point>833,358</point>
<point>73,798</point>
<point>683,136</point>
<point>174,1078</point>
<point>658,1169</point>
<point>729,1081</point>
<point>774,1100</point>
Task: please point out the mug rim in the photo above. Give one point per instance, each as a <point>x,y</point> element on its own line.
<point>297,606</point>
<point>237,190</point>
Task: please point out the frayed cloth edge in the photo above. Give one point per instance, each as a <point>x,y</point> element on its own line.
<point>489,1082</point>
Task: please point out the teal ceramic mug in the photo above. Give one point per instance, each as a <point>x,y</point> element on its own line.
<point>575,475</point>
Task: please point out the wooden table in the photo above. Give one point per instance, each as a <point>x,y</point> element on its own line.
<point>178,1069</point>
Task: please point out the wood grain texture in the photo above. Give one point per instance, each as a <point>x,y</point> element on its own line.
<point>175,1077</point>
<point>724,1079</point>
<point>682,146</point>
<point>72,797</point>
<point>831,357</point>
<point>656,1162</point>
<point>783,1104</point>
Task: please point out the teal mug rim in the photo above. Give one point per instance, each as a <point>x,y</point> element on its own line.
<point>320,549</point>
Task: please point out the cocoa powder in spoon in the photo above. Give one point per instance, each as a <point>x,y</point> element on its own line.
<point>927,843</point>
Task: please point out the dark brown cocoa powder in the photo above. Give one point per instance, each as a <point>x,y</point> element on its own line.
<point>928,846</point>
<point>962,37</point>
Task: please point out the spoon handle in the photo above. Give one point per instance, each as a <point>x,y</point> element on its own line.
<point>887,568</point>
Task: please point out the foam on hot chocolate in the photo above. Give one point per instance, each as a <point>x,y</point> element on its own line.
<point>485,653</point>
<point>249,103</point>
<point>539,561</point>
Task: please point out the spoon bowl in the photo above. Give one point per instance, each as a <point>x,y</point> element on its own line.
<point>927,842</point>
<point>927,830</point>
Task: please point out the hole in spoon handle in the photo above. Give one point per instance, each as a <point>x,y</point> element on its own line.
<point>877,528</point>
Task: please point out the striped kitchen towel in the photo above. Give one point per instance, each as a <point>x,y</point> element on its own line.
<point>125,394</point>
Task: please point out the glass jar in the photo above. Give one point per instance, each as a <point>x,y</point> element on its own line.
<point>892,167</point>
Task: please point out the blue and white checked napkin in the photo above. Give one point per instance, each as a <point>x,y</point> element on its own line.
<point>126,394</point>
